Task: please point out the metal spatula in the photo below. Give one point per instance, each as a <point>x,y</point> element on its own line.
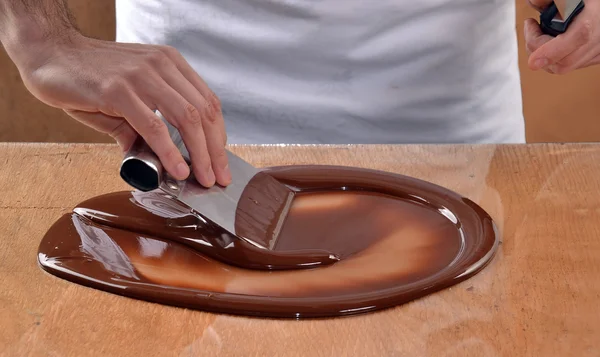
<point>260,208</point>
<point>557,17</point>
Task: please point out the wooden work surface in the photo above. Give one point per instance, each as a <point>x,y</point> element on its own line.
<point>539,297</point>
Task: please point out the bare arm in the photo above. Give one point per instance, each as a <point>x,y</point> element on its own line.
<point>115,87</point>
<point>27,23</point>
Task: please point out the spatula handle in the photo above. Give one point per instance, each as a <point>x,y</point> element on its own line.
<point>141,168</point>
<point>550,26</point>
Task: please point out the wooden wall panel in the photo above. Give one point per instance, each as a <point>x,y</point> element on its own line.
<point>557,108</point>
<point>23,117</point>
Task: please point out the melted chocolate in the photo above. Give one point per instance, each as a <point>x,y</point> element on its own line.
<point>397,239</point>
<point>158,215</point>
<point>262,211</point>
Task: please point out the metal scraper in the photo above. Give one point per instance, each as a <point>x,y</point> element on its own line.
<point>566,8</point>
<point>557,17</point>
<point>142,169</point>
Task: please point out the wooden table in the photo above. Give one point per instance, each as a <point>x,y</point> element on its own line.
<point>539,297</point>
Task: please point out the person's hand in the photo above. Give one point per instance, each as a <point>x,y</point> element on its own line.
<point>578,47</point>
<point>115,88</point>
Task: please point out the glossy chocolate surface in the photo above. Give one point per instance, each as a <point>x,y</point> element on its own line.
<point>397,238</point>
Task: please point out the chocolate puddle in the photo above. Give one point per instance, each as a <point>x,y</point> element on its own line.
<point>158,215</point>
<point>397,239</point>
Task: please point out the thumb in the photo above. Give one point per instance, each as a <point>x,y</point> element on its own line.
<point>556,49</point>
<point>118,128</point>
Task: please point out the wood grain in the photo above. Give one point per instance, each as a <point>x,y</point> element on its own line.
<point>539,296</point>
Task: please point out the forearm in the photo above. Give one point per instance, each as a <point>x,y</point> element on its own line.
<point>26,25</point>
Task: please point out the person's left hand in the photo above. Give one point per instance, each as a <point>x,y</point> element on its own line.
<point>578,47</point>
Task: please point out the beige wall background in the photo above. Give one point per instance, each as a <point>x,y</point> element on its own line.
<point>557,108</point>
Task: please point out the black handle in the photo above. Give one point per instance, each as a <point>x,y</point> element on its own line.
<point>141,168</point>
<point>555,28</point>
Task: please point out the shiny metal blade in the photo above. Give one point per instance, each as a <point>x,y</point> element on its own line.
<point>565,8</point>
<point>260,213</point>
<point>217,203</point>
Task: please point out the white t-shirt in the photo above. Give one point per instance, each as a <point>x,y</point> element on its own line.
<point>347,71</point>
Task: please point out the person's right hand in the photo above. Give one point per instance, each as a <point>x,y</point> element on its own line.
<point>115,88</point>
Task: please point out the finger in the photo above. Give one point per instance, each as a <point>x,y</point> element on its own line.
<point>155,133</point>
<point>539,5</point>
<point>157,60</point>
<point>192,76</point>
<point>215,144</point>
<point>188,120</point>
<point>117,128</point>
<point>212,123</point>
<point>563,45</point>
<point>534,39</point>
<point>581,58</point>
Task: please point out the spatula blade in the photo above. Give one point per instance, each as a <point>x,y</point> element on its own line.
<point>217,204</point>
<point>252,207</point>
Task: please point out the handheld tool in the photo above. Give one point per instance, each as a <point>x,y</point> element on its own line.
<point>253,207</point>
<point>557,17</point>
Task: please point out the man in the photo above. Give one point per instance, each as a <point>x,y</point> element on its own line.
<point>290,71</point>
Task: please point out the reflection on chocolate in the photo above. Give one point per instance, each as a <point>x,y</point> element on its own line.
<point>158,215</point>
<point>263,209</point>
<point>397,239</point>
